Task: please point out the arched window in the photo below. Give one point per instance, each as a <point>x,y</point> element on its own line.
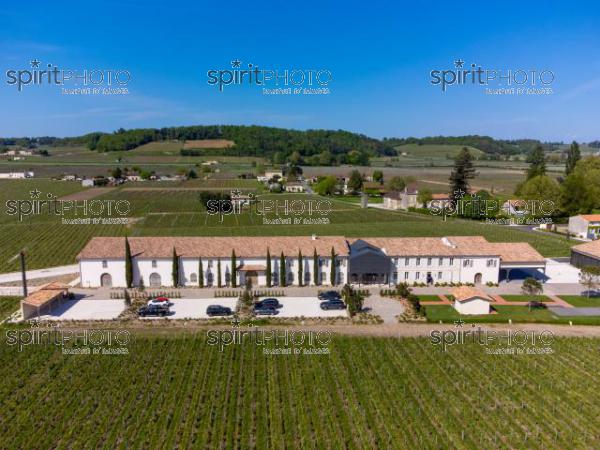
<point>209,279</point>
<point>193,278</point>
<point>290,277</point>
<point>155,280</point>
<point>227,278</point>
<point>275,277</point>
<point>306,277</point>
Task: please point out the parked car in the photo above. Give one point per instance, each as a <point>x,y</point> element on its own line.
<point>329,295</point>
<point>160,301</point>
<point>153,310</point>
<point>333,304</point>
<point>218,310</point>
<point>268,303</point>
<point>266,311</point>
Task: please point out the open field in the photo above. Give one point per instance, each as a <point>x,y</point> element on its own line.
<point>436,151</point>
<point>582,301</point>
<point>208,144</point>
<point>8,305</point>
<point>179,392</point>
<point>167,212</point>
<point>520,314</point>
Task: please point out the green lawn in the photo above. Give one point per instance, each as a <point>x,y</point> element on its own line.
<point>178,392</point>
<point>429,298</point>
<point>581,301</point>
<point>8,305</point>
<point>517,313</point>
<point>526,298</point>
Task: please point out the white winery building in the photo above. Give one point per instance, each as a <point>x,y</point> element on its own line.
<point>359,261</point>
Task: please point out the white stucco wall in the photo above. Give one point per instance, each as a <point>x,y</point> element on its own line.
<point>452,270</point>
<point>472,306</point>
<point>91,271</point>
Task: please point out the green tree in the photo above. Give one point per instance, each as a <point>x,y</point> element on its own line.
<point>326,186</point>
<point>300,272</point>
<point>573,156</point>
<point>378,176</point>
<point>355,182</point>
<point>268,271</point>
<point>396,184</point>
<point>542,189</point>
<point>200,273</point>
<point>282,274</point>
<point>233,269</point>
<point>192,174</point>
<point>589,278</point>
<point>128,264</point>
<point>577,196</point>
<point>332,279</point>
<point>424,196</point>
<point>219,278</point>
<point>531,287</point>
<point>316,268</point>
<point>462,172</point>
<point>537,162</point>
<point>175,269</point>
<point>116,172</point>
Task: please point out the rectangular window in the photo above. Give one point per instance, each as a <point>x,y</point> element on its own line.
<point>395,277</point>
<point>491,263</point>
<point>406,275</point>
<point>441,262</point>
<point>451,261</point>
<point>406,261</point>
<point>417,275</point>
<point>418,261</point>
<point>468,263</point>
<point>439,275</point>
<point>104,264</point>
<point>428,261</point>
<point>153,263</point>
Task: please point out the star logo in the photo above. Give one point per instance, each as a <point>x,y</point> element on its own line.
<point>235,322</point>
<point>35,193</point>
<point>236,63</point>
<point>459,323</point>
<point>459,193</point>
<point>35,63</point>
<point>458,63</point>
<point>236,193</point>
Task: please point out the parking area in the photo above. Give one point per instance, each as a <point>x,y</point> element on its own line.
<point>195,308</point>
<point>306,307</point>
<point>86,309</point>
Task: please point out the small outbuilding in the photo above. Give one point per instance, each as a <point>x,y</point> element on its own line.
<point>43,299</point>
<point>471,301</point>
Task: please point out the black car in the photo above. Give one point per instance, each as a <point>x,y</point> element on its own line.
<point>268,303</point>
<point>329,295</point>
<point>153,310</point>
<point>218,310</point>
<point>333,304</point>
<point>265,311</point>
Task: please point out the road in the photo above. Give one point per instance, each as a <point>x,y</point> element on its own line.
<point>40,273</point>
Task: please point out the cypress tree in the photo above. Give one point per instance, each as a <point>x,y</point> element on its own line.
<point>462,172</point>
<point>573,156</point>
<point>316,268</point>
<point>268,274</point>
<point>200,273</point>
<point>537,162</point>
<point>175,270</point>
<point>128,264</point>
<point>300,272</point>
<point>332,273</point>
<point>219,281</point>
<point>282,270</point>
<point>233,269</point>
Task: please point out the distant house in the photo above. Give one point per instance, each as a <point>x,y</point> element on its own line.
<point>16,175</point>
<point>69,177</point>
<point>210,163</point>
<point>587,254</point>
<point>133,176</point>
<point>294,186</point>
<point>88,182</point>
<point>586,226</point>
<point>270,174</point>
<point>515,207</point>
<point>404,199</point>
<point>469,300</point>
<point>439,201</point>
<point>373,187</point>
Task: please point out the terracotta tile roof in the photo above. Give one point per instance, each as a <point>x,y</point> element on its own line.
<point>591,217</point>
<point>162,247</point>
<point>440,196</point>
<point>464,293</point>
<point>590,248</point>
<point>45,294</point>
<point>457,246</point>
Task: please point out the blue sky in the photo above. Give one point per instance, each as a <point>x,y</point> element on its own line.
<point>380,55</point>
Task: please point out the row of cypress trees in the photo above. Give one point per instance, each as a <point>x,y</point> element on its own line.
<point>282,272</point>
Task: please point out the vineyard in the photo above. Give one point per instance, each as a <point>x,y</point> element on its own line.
<point>179,392</point>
